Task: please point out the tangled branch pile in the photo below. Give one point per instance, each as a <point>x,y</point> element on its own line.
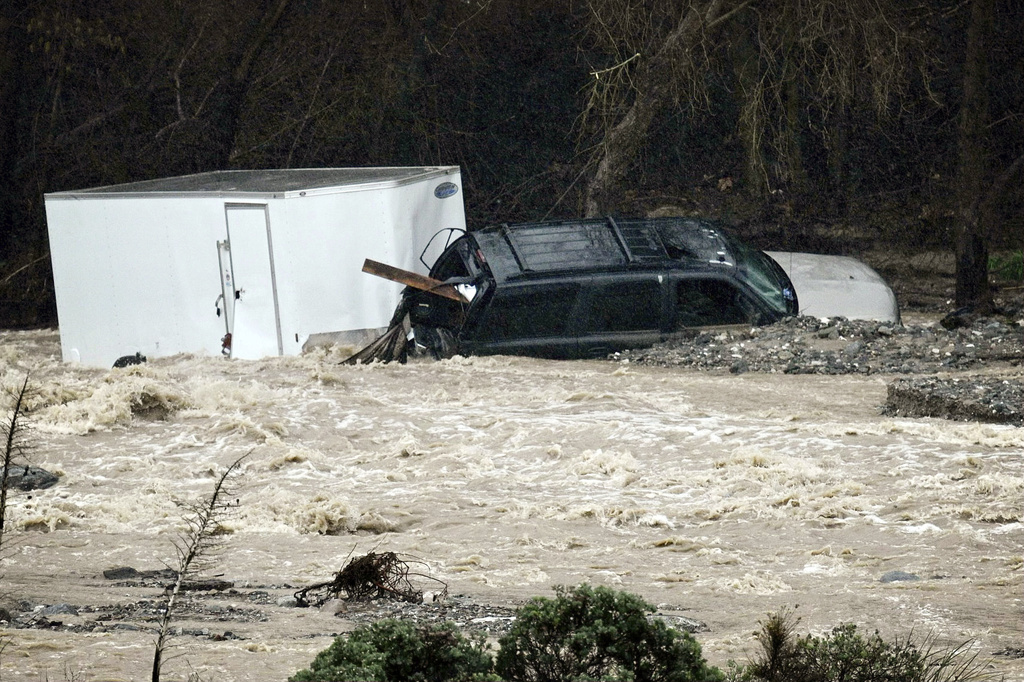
<point>372,576</point>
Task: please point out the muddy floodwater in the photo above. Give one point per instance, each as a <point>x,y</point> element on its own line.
<point>717,497</point>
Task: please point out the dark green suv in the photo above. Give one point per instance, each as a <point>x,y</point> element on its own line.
<point>587,288</point>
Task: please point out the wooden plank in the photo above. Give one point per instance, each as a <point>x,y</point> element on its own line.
<point>412,279</point>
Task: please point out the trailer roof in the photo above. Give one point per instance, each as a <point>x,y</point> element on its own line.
<point>292,181</point>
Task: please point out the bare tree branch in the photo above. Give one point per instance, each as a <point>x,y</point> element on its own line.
<point>11,429</point>
<point>622,142</point>
<point>194,548</point>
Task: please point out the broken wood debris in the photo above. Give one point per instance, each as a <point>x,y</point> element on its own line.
<point>372,576</point>
<point>392,346</point>
<point>413,279</point>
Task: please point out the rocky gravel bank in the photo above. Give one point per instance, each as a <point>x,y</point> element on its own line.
<point>976,370</point>
<point>980,399</point>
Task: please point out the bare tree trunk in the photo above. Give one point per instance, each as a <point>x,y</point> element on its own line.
<point>792,159</point>
<point>624,140</point>
<point>838,160</point>
<point>972,286</point>
<point>750,102</point>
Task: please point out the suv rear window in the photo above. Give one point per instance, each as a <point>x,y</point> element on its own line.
<point>519,313</point>
<point>624,306</point>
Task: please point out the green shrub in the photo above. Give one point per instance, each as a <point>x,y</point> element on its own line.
<point>597,634</point>
<point>1007,267</point>
<point>396,651</point>
<point>778,655</point>
<point>844,655</point>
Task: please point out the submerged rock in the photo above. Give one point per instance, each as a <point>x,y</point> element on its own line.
<point>30,478</point>
<point>897,577</point>
<point>121,573</point>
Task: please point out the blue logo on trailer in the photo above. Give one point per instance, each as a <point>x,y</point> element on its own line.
<point>445,190</point>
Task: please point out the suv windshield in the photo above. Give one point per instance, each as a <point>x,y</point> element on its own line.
<point>766,276</point>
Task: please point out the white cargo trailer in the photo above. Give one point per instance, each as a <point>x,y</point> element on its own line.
<point>245,263</point>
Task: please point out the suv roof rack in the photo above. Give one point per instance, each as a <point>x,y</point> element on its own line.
<point>589,243</point>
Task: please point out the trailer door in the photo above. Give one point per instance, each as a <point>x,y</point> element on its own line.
<point>254,319</point>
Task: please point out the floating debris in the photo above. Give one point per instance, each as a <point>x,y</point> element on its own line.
<point>372,576</point>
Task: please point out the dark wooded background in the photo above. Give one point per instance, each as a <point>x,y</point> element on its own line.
<point>804,124</point>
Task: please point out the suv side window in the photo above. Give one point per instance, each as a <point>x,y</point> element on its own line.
<point>633,305</point>
<point>707,302</point>
<point>529,313</point>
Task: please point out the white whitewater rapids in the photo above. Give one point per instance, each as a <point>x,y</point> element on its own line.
<point>716,496</point>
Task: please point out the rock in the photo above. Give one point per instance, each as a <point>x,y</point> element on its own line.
<point>289,602</point>
<point>897,576</point>
<point>121,573</point>
<point>159,575</point>
<point>129,360</point>
<point>30,478</point>
<point>212,585</point>
<point>683,623</point>
<point>58,609</point>
<point>333,607</point>
<point>964,317</point>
